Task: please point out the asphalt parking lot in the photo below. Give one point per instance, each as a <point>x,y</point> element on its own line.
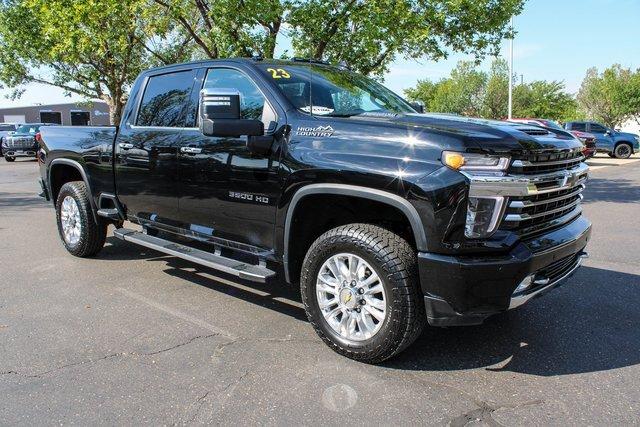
<point>134,336</point>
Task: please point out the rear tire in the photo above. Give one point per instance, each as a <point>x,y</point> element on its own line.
<point>347,321</point>
<point>81,235</point>
<point>622,151</point>
<point>9,159</point>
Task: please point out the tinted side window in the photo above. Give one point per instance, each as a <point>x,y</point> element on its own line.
<point>596,128</point>
<point>252,103</point>
<point>582,127</point>
<point>167,101</point>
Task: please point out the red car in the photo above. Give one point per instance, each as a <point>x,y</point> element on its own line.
<point>588,139</point>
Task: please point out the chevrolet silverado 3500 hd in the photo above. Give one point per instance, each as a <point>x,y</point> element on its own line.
<point>296,170</point>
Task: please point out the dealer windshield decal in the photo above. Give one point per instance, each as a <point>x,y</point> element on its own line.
<point>317,131</point>
<point>318,110</point>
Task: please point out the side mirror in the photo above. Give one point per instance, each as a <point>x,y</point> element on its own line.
<point>417,106</point>
<point>220,115</point>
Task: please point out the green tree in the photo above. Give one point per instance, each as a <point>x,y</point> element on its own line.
<point>496,99</point>
<point>91,48</point>
<point>461,93</point>
<point>543,99</point>
<point>366,35</point>
<point>424,91</point>
<point>472,92</point>
<point>611,97</point>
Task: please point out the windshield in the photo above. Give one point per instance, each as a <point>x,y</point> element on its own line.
<point>28,129</point>
<point>328,91</point>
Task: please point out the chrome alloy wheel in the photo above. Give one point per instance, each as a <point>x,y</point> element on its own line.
<point>351,297</point>
<point>70,219</point>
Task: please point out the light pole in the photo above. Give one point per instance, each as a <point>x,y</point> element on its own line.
<point>511,72</point>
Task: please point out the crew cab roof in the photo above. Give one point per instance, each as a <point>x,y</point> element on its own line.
<point>247,61</point>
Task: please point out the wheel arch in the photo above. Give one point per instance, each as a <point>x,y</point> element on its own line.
<point>375,195</point>
<point>63,165</point>
<point>624,141</point>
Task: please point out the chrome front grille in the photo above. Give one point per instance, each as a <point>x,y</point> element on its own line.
<point>20,143</point>
<point>535,213</point>
<point>549,162</point>
<point>554,197</point>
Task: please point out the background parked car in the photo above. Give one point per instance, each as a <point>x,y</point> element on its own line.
<point>617,144</point>
<point>545,123</point>
<point>587,139</point>
<point>5,129</point>
<point>23,142</point>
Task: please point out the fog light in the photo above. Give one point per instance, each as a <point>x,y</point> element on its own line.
<point>483,216</point>
<point>525,284</point>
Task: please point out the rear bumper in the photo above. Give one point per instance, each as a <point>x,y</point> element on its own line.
<point>465,290</point>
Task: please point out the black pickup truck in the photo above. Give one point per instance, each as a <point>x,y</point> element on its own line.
<point>388,219</point>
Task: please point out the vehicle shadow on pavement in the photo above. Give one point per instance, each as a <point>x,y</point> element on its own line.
<point>611,190</point>
<point>588,325</point>
<point>275,296</point>
<point>20,201</point>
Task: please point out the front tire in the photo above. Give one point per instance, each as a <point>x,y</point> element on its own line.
<point>81,235</point>
<point>622,151</point>
<point>360,291</point>
<point>9,159</point>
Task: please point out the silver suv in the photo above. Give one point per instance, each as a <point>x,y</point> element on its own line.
<point>6,129</point>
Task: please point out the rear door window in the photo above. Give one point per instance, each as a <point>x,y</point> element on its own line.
<point>582,127</point>
<point>596,128</point>
<point>167,101</point>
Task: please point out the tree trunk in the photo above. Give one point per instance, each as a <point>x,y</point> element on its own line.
<point>116,105</point>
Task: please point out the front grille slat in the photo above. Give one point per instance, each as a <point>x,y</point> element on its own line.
<point>556,202</point>
<point>546,162</point>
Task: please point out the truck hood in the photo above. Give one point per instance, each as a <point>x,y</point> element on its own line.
<point>487,135</point>
<point>413,143</point>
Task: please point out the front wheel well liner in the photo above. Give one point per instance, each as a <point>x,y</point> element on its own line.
<point>332,205</point>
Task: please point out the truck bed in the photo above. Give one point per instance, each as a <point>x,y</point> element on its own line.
<point>90,146</point>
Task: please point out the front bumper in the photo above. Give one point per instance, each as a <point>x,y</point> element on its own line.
<point>465,290</point>
<point>12,152</point>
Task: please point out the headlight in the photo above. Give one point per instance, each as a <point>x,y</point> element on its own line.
<point>483,216</point>
<point>483,213</point>
<point>474,162</point>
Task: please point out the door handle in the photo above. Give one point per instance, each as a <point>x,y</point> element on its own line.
<point>190,150</point>
<point>125,146</point>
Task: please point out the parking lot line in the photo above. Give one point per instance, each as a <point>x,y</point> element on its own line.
<point>177,313</point>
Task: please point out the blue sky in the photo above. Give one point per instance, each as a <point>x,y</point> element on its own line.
<point>556,40</point>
